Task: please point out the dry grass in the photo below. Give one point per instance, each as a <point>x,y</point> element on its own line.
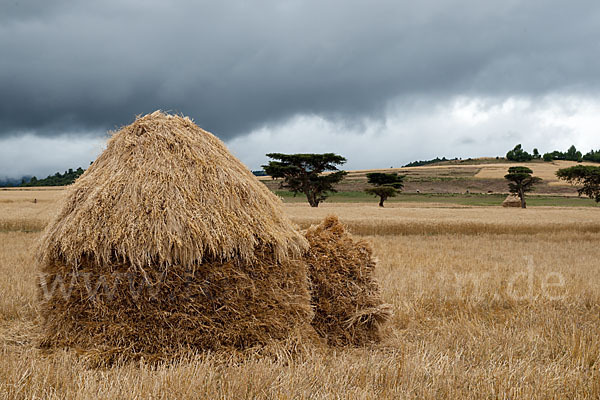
<point>480,312</point>
<point>545,170</point>
<point>442,219</point>
<point>496,170</point>
<point>27,210</point>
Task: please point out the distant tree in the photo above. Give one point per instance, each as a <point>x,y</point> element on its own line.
<point>426,162</point>
<point>585,175</point>
<point>555,155</point>
<point>520,181</point>
<point>593,156</point>
<point>57,179</point>
<point>573,155</point>
<point>385,185</point>
<point>518,154</point>
<point>536,154</point>
<point>304,173</point>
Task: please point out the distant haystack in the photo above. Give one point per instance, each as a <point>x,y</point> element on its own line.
<point>347,301</point>
<point>167,243</point>
<point>512,201</point>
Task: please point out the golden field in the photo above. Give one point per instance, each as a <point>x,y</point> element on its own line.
<point>488,303</point>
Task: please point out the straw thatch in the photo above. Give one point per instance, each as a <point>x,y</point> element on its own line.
<point>168,242</point>
<point>512,200</point>
<point>348,306</point>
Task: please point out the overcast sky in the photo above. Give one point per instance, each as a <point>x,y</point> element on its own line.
<point>380,82</point>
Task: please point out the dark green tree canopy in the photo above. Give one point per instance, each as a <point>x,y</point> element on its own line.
<point>518,154</point>
<point>57,179</point>
<point>520,181</point>
<point>385,185</point>
<point>379,179</point>
<point>572,154</point>
<point>592,155</point>
<point>312,174</point>
<point>587,176</point>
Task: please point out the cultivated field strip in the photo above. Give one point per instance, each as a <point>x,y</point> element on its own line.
<point>367,219</point>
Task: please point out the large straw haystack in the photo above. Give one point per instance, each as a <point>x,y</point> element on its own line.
<point>348,306</point>
<point>167,242</point>
<point>512,200</point>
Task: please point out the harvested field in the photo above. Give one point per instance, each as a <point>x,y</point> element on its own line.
<point>487,303</point>
<point>441,219</point>
<point>544,170</point>
<point>27,210</point>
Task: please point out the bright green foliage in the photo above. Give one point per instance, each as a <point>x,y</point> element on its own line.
<point>303,173</point>
<point>585,175</point>
<point>385,185</point>
<point>520,181</point>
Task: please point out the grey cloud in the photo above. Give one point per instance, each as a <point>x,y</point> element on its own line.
<point>234,66</point>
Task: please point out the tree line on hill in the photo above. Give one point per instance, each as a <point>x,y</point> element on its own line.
<point>422,163</point>
<point>58,179</point>
<point>518,154</point>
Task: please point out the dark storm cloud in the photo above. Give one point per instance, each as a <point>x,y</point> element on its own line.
<point>237,65</point>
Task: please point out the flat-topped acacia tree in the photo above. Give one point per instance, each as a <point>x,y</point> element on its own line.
<point>384,185</point>
<point>587,176</point>
<point>520,181</point>
<point>304,173</point>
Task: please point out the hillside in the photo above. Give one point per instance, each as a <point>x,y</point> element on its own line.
<point>484,175</point>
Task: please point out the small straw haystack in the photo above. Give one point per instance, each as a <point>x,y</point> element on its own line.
<point>348,306</point>
<point>512,200</point>
<point>168,243</point>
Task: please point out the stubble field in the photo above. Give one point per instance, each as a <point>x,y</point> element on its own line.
<point>487,303</point>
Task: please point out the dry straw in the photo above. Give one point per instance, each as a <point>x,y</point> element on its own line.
<point>165,191</point>
<point>512,200</point>
<point>348,306</point>
<point>168,243</point>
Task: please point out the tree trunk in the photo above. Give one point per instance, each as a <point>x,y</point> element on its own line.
<point>381,200</point>
<point>312,199</point>
<point>522,196</point>
<point>310,195</point>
